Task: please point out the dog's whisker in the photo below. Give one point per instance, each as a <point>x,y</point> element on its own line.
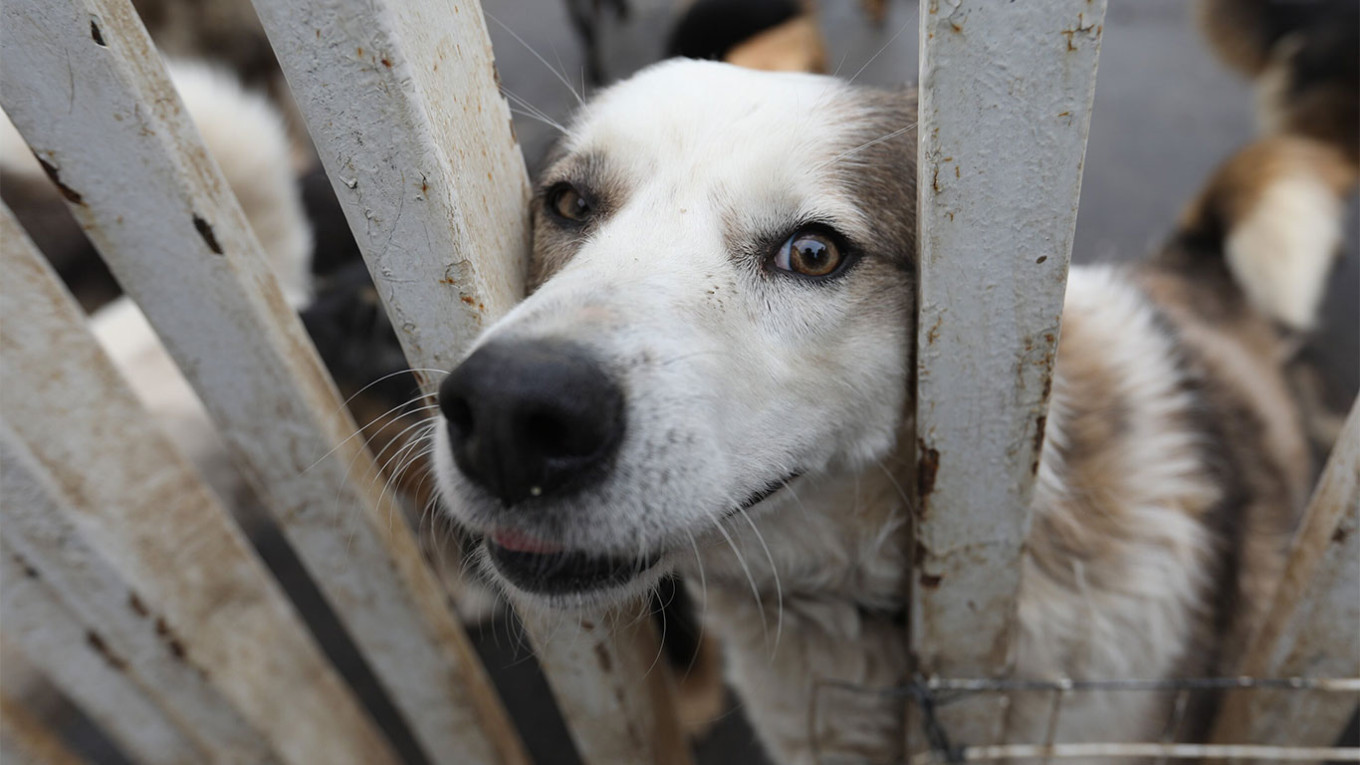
<point>774,571</point>
<point>537,118</point>
<point>755,591</point>
<point>655,594</point>
<point>560,77</point>
<point>531,110</point>
<point>879,52</point>
<point>703,607</point>
<point>361,428</point>
<point>907,502</point>
<point>524,103</point>
<point>865,145</point>
<point>393,476</point>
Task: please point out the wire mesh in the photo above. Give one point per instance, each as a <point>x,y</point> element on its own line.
<point>929,694</point>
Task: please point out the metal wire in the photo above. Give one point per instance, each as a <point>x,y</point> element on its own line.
<point>928,694</point>
<point>1167,751</point>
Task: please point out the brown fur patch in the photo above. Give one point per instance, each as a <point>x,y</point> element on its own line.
<point>794,46</point>
<point>1236,187</point>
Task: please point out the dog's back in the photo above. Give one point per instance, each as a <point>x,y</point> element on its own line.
<point>1176,461</point>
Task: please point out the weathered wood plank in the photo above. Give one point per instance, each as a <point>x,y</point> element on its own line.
<point>139,503</point>
<point>80,663</point>
<point>1313,627</point>
<point>38,530</point>
<point>102,115</point>
<point>401,101</point>
<point>1005,105</point>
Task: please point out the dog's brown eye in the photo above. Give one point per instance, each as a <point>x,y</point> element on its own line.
<point>568,203</point>
<point>810,254</point>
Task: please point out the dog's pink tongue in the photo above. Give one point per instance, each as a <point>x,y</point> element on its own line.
<point>518,542</point>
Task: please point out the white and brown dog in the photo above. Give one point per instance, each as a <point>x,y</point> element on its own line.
<point>710,376</point>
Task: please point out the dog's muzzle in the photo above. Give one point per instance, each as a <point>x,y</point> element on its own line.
<point>529,421</point>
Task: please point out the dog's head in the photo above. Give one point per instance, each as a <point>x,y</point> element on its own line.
<point>723,262</point>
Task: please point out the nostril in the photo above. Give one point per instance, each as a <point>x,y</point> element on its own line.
<point>549,433</point>
<point>459,415</point>
<point>561,437</point>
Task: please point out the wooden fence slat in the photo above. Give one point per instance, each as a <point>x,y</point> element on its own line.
<point>84,85</point>
<point>1005,104</point>
<point>139,503</point>
<point>401,99</point>
<point>37,527</point>
<point>1313,627</point>
<point>402,103</point>
<point>78,662</point>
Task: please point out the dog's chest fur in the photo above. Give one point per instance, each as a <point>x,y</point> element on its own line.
<point>1122,567</point>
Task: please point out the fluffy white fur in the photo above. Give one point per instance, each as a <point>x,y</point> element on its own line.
<point>1131,613</point>
<point>1283,250</point>
<point>740,384</point>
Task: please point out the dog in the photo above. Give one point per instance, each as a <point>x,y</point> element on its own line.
<point>710,375</point>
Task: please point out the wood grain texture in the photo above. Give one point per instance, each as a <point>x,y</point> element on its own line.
<point>38,531</point>
<point>76,659</point>
<point>133,498</point>
<point>1005,104</point>
<point>107,122</point>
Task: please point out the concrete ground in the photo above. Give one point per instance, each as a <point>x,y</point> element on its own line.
<point>1166,114</point>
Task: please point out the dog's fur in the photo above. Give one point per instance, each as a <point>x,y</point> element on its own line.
<point>1172,472</point>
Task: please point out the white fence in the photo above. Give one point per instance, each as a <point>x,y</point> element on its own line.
<point>130,587</point>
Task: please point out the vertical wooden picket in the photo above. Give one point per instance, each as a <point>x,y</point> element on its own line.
<point>1005,105</point>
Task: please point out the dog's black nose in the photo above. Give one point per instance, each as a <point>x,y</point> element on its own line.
<point>529,418</point>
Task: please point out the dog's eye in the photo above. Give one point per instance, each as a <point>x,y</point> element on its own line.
<point>568,204</point>
<point>809,253</point>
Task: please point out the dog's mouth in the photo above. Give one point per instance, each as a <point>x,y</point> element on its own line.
<point>549,569</point>
<point>546,568</point>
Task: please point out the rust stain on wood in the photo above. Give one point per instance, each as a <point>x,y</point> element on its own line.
<point>927,467</point>
<point>100,647</point>
<point>54,173</point>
